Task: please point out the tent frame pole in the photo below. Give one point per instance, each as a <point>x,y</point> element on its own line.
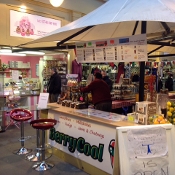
<point>142,67</point>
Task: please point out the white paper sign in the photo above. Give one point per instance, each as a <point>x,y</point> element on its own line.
<point>43,100</point>
<point>15,75</point>
<point>31,26</point>
<point>147,143</point>
<point>148,151</point>
<point>155,166</point>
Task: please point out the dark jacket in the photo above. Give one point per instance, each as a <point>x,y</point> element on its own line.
<point>99,90</point>
<point>108,81</point>
<point>169,84</point>
<point>54,85</point>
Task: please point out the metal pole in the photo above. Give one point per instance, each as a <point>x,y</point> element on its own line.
<point>142,67</point>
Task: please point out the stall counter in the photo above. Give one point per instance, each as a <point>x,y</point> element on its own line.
<point>84,140</point>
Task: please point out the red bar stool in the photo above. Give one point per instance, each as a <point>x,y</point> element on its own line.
<point>21,115</point>
<point>43,124</point>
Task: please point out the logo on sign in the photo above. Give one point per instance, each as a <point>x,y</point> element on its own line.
<point>78,144</point>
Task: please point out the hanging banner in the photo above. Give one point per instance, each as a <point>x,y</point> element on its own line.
<point>126,49</point>
<point>31,26</point>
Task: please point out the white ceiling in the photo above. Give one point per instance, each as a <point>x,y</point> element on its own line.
<point>84,6</point>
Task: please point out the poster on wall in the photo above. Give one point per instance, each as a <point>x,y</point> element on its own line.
<point>88,141</point>
<point>126,49</point>
<point>31,26</point>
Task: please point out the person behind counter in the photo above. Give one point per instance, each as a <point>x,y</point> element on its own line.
<point>54,86</point>
<point>101,97</point>
<point>107,79</point>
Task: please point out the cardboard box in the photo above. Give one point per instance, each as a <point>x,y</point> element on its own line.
<point>143,119</point>
<point>146,107</point>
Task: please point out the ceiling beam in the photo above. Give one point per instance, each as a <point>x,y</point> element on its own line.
<point>155,56</point>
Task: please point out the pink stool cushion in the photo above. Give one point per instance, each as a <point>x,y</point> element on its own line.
<point>43,124</point>
<point>20,115</point>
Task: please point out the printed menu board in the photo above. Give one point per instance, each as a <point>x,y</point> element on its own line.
<point>126,49</point>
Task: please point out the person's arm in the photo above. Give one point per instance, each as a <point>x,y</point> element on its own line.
<point>88,88</point>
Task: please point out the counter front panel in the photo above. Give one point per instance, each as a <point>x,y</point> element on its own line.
<point>85,140</point>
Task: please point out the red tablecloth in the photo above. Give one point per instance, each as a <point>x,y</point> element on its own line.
<point>122,103</point>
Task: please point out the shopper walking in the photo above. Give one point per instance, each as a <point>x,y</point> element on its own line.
<point>54,85</point>
<point>101,97</point>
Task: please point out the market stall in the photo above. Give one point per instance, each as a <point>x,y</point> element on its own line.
<point>85,138</point>
<point>104,36</point>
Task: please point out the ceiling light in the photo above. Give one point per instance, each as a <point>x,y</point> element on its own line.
<point>32,52</point>
<point>56,3</point>
<point>5,51</point>
<point>13,54</point>
<point>22,8</point>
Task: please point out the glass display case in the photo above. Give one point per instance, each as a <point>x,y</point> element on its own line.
<point>2,100</point>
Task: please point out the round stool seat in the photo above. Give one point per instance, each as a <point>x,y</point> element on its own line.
<point>43,124</point>
<point>20,115</point>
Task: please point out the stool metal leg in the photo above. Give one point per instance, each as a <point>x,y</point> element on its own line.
<point>22,150</point>
<point>37,156</point>
<point>43,165</point>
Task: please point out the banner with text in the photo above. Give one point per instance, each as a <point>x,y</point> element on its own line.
<point>125,49</point>
<point>31,26</point>
<point>91,142</point>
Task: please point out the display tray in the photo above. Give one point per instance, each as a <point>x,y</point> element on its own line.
<point>127,97</point>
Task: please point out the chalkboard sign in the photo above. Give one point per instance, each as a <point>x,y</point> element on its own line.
<point>145,150</point>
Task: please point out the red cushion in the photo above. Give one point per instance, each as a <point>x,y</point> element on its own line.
<point>43,124</point>
<point>20,115</point>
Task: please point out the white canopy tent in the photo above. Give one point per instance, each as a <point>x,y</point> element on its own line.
<point>118,18</point>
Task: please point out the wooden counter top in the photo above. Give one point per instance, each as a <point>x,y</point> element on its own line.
<point>71,111</point>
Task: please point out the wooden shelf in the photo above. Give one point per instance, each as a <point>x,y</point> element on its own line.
<point>15,68</point>
<point>4,71</point>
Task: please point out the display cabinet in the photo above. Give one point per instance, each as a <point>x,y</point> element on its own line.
<point>123,91</point>
<point>2,100</point>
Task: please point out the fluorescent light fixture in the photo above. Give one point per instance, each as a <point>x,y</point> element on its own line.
<point>13,54</point>
<point>5,51</point>
<point>32,52</point>
<point>56,3</point>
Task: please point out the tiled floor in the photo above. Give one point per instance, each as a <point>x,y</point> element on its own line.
<point>11,164</point>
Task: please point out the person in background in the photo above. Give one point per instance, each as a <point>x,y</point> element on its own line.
<point>135,77</point>
<point>107,79</point>
<point>169,83</point>
<point>101,97</point>
<point>160,84</point>
<point>54,86</point>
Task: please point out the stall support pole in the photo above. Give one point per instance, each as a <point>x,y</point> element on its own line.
<point>142,67</point>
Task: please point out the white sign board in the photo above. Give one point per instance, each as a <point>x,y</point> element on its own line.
<point>31,26</point>
<point>125,49</point>
<point>146,150</point>
<point>43,100</point>
<point>15,75</point>
<point>85,140</point>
